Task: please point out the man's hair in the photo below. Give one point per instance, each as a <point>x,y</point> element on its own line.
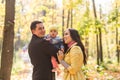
<point>33,24</point>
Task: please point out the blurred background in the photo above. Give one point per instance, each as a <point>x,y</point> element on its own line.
<point>98,23</point>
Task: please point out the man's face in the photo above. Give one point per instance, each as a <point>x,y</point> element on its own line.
<point>39,30</point>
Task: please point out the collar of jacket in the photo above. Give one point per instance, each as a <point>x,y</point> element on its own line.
<point>71,47</point>
<point>35,36</point>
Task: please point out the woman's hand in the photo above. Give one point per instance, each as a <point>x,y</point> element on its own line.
<point>60,55</point>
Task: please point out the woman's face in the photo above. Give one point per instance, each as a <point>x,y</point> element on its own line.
<point>67,37</point>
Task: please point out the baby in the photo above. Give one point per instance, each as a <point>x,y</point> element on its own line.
<point>57,42</point>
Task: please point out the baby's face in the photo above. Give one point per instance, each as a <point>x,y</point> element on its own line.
<point>53,33</point>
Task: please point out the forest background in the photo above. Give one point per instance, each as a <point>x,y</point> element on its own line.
<point>98,23</point>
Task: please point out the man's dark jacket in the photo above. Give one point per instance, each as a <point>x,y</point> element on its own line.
<point>40,52</point>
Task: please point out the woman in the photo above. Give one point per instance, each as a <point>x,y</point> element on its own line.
<point>74,56</point>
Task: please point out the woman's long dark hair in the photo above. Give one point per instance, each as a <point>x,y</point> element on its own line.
<point>76,37</point>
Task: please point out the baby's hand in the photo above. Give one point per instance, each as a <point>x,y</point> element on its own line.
<point>48,39</point>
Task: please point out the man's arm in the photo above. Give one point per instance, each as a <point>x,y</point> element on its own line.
<point>50,49</point>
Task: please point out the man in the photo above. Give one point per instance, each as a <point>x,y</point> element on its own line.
<point>40,52</point>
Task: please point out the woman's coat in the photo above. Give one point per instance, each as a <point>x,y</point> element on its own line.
<point>74,57</point>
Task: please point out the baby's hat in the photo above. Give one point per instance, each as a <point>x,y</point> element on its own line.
<point>53,27</point>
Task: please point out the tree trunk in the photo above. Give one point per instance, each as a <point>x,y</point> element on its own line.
<point>118,53</point>
<point>98,50</point>
<point>68,18</point>
<point>71,18</point>
<point>8,40</point>
<point>95,15</point>
<point>94,9</point>
<point>100,38</point>
<point>87,44</point>
<point>117,34</point>
<point>62,21</point>
<point>117,44</point>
